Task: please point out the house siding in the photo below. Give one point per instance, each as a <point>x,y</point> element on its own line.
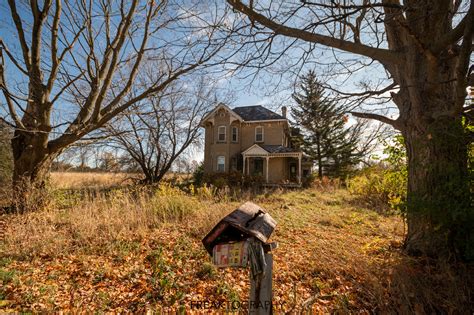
<point>214,148</point>
<point>278,170</point>
<point>273,133</point>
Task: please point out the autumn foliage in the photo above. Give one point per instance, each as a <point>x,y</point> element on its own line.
<point>136,249</point>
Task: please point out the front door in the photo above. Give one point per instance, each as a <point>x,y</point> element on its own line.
<point>258,167</point>
<point>293,172</point>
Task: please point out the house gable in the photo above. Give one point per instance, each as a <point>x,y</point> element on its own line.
<point>255,150</point>
<point>209,117</point>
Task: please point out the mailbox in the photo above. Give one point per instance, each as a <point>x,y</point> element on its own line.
<point>240,239</point>
<point>248,220</point>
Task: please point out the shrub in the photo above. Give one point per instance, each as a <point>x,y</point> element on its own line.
<point>325,183</point>
<point>198,175</point>
<point>384,185</point>
<point>220,180</point>
<point>172,204</point>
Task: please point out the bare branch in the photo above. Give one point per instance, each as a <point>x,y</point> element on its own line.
<point>391,122</point>
<point>383,55</point>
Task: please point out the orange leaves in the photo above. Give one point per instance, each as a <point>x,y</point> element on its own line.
<point>321,257</point>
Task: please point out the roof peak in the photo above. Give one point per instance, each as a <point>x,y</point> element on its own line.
<point>256,113</point>
<point>250,106</point>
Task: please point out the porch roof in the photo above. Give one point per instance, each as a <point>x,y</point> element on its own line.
<point>271,151</point>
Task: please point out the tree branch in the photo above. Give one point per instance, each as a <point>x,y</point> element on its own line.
<point>394,123</point>
<point>451,37</point>
<point>383,55</point>
<point>21,34</point>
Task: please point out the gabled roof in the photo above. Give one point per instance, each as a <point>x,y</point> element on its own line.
<point>219,106</point>
<point>255,149</point>
<point>257,112</point>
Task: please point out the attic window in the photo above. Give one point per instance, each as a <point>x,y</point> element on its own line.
<point>259,134</point>
<point>221,134</point>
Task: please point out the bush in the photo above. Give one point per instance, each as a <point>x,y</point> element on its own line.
<point>198,175</point>
<point>384,185</point>
<point>325,183</point>
<point>220,180</point>
<point>172,204</point>
<point>378,187</point>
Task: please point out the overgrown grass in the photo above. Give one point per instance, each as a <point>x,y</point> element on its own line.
<point>138,249</point>
<point>77,180</point>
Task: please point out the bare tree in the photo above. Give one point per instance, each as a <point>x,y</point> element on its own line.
<point>157,131</point>
<point>6,165</point>
<point>77,52</point>
<point>421,51</point>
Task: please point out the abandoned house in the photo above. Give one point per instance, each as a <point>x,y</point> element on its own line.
<point>255,141</point>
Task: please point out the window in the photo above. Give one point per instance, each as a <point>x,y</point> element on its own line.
<point>259,134</point>
<point>235,134</point>
<point>221,163</point>
<point>221,134</point>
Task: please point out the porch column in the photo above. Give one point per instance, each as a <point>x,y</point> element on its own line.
<point>266,173</point>
<point>299,168</point>
<point>243,168</point>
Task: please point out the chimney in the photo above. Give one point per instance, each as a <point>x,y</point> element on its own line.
<point>283,111</point>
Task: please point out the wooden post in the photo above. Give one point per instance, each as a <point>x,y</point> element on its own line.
<point>261,295</point>
<point>261,299</point>
<point>243,168</point>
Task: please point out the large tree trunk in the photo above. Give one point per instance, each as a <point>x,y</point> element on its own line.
<point>32,163</point>
<point>439,214</point>
<point>430,100</point>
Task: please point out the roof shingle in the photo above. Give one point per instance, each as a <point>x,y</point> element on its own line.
<point>270,148</point>
<point>257,112</point>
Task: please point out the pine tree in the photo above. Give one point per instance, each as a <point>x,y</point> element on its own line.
<point>327,139</point>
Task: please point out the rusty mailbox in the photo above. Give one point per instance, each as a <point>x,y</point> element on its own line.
<point>249,220</point>
<point>241,238</point>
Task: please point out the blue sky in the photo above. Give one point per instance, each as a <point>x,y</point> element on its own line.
<point>272,87</point>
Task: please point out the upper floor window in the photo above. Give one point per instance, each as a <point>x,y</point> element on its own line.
<point>221,163</point>
<point>259,134</point>
<point>221,134</point>
<point>235,134</point>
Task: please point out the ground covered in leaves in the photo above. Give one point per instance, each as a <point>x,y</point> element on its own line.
<point>136,250</point>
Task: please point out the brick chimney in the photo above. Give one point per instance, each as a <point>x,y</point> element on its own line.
<point>283,111</point>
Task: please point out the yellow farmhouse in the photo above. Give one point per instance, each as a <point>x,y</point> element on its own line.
<point>255,141</point>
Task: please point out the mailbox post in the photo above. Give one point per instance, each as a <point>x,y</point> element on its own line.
<point>240,239</point>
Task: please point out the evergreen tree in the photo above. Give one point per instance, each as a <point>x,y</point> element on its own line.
<point>334,146</point>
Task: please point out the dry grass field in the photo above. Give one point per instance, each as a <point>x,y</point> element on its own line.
<point>77,180</point>
<point>139,249</point>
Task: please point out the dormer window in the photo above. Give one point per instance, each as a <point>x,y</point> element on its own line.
<point>235,134</point>
<point>259,134</point>
<point>221,134</point>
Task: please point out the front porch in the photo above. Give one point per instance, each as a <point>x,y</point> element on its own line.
<point>276,167</point>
